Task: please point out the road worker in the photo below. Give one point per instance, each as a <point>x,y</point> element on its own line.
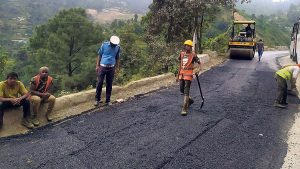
<point>107,65</point>
<point>187,59</point>
<point>39,88</point>
<point>249,30</point>
<point>287,73</point>
<point>260,48</point>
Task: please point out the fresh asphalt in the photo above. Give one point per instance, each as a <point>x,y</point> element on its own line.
<point>238,128</point>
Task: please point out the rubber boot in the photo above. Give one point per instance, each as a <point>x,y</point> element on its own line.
<point>185,106</point>
<point>280,105</point>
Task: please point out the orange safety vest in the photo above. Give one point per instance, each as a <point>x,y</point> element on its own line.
<point>186,66</point>
<point>37,82</point>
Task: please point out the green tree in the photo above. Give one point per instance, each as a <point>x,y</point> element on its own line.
<point>68,44</point>
<point>3,61</point>
<point>169,23</point>
<point>136,17</point>
<point>63,41</point>
<point>178,20</point>
<point>134,57</point>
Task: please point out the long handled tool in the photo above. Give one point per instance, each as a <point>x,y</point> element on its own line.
<point>202,103</point>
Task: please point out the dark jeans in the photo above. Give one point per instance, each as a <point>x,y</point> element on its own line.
<point>185,86</point>
<point>108,73</point>
<point>281,90</point>
<point>24,103</point>
<point>260,53</point>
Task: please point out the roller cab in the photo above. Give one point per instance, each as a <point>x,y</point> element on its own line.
<point>242,43</point>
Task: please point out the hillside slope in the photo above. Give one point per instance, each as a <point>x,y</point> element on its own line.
<point>266,7</point>
<point>217,35</point>
<point>18,17</point>
<point>273,35</point>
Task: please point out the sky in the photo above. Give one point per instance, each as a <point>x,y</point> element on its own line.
<point>279,0</point>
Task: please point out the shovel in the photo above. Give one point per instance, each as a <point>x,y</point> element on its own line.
<point>202,103</point>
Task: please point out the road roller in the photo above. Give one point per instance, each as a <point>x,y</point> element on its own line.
<point>242,43</point>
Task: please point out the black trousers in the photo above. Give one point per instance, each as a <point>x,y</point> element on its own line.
<point>185,86</point>
<point>108,74</point>
<point>5,105</point>
<point>281,90</point>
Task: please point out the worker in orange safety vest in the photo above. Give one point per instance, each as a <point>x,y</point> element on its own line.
<point>39,89</point>
<point>187,59</point>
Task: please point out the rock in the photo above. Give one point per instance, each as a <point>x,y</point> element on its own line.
<point>120,100</point>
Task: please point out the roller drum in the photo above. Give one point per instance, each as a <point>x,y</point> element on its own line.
<point>241,53</point>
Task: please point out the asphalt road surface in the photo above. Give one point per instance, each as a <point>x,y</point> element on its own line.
<point>238,128</point>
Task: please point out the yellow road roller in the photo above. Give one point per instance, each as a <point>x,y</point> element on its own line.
<point>242,43</point>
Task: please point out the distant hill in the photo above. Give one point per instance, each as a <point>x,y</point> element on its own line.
<point>39,10</point>
<point>266,7</point>
<point>18,17</point>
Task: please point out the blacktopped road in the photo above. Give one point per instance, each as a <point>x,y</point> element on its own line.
<point>238,128</point>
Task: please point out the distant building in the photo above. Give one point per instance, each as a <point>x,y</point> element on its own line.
<point>20,40</point>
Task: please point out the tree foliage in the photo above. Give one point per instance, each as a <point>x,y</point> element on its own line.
<point>3,61</point>
<point>135,56</point>
<point>68,45</point>
<point>172,22</point>
<point>19,17</point>
<point>64,41</point>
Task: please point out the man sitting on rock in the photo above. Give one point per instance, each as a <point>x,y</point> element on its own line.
<point>39,87</point>
<point>14,94</point>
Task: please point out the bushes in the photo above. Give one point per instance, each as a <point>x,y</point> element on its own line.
<point>219,43</point>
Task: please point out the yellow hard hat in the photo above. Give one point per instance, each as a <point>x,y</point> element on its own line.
<point>188,42</point>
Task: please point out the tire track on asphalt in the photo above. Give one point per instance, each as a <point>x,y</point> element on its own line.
<point>91,143</point>
<point>168,160</point>
<point>115,133</point>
